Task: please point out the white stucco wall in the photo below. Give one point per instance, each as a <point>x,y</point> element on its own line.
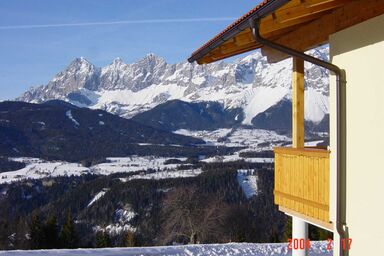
<point>359,50</point>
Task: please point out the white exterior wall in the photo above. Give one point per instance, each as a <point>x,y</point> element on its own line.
<point>359,50</point>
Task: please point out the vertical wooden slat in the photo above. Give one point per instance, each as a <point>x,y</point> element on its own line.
<point>311,185</point>
<point>294,179</point>
<point>290,186</point>
<point>321,188</point>
<point>306,184</point>
<point>327,184</point>
<point>299,163</point>
<point>316,185</point>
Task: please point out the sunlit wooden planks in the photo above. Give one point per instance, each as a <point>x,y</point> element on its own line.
<point>317,32</point>
<point>298,14</point>
<point>302,182</point>
<point>283,21</point>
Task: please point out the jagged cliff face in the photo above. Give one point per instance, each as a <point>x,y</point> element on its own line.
<point>249,83</point>
<point>79,74</point>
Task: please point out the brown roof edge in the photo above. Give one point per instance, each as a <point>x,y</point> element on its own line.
<point>263,9</point>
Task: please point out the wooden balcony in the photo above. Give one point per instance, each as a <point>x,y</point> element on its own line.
<point>302,184</point>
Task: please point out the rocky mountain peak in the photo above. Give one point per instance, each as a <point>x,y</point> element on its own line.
<point>153,57</point>
<point>80,62</point>
<point>151,60</point>
<point>249,82</point>
<point>117,61</point>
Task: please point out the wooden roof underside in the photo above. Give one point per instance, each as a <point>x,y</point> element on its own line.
<point>299,24</point>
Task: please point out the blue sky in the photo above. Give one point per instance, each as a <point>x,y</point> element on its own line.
<point>31,55</point>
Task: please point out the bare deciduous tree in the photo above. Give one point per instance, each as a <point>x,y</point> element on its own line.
<point>192,217</point>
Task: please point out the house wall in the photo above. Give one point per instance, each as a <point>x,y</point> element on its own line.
<point>359,50</point>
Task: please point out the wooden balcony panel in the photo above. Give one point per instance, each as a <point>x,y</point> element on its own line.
<point>302,182</point>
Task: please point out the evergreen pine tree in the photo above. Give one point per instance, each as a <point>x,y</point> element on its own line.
<point>68,237</point>
<point>36,232</point>
<point>288,229</point>
<point>51,233</point>
<point>102,239</point>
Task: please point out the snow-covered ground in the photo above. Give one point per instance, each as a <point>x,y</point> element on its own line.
<point>247,179</point>
<point>69,115</point>
<point>38,168</point>
<point>210,137</point>
<point>134,164</point>
<point>249,139</point>
<point>237,157</point>
<point>238,249</point>
<point>97,196</point>
<point>253,139</point>
<point>122,223</point>
<point>166,174</point>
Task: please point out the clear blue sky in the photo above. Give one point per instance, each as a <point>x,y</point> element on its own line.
<point>31,55</point>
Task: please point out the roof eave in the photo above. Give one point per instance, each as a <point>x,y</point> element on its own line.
<point>266,9</point>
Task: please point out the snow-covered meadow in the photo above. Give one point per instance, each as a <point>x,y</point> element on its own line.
<point>38,168</point>
<point>231,249</point>
<point>248,139</point>
<point>252,139</point>
<point>248,182</point>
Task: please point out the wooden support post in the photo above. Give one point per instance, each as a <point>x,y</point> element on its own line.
<point>299,226</point>
<point>298,103</point>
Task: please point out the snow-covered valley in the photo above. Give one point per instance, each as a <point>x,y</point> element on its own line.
<point>250,140</point>
<point>38,168</point>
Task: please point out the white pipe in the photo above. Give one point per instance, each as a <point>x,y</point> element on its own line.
<point>299,233</point>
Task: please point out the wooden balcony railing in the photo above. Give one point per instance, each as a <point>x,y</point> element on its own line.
<point>302,183</point>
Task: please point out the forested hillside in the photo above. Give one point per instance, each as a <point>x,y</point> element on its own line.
<point>209,208</point>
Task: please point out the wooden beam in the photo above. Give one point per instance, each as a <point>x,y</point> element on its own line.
<point>322,224</point>
<point>243,42</point>
<point>286,19</point>
<point>297,15</point>
<point>310,152</point>
<point>298,103</point>
<point>302,200</point>
<point>317,32</point>
<point>216,55</point>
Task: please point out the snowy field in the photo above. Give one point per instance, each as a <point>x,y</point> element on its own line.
<point>38,168</point>
<point>247,179</point>
<point>250,139</point>
<point>232,249</point>
<point>236,157</point>
<point>253,139</point>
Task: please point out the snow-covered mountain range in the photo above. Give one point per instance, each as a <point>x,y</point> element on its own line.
<point>249,83</point>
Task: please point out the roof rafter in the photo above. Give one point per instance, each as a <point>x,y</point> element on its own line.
<point>318,31</point>
<point>285,22</point>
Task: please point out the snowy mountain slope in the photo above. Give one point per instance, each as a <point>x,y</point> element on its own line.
<point>249,83</point>
<point>175,114</point>
<point>58,130</point>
